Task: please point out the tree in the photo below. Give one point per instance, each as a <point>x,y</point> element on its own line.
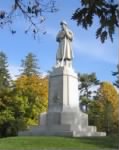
<point>116,73</point>
<point>21,103</point>
<point>32,11</point>
<point>29,65</point>
<point>108,105</point>
<point>12,110</point>
<point>86,82</point>
<point>107,12</point>
<point>4,73</point>
<point>94,113</point>
<point>34,90</point>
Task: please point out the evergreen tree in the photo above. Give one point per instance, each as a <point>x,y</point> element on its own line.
<point>4,73</point>
<point>29,65</point>
<point>86,82</point>
<point>117,75</point>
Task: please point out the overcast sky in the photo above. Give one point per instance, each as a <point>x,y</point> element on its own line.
<point>90,55</point>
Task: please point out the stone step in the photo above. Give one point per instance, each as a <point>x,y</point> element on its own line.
<point>51,131</point>
<point>85,134</point>
<point>89,128</point>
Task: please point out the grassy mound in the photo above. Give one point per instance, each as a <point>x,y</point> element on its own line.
<point>45,143</point>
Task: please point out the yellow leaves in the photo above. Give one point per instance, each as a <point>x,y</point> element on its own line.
<point>108,93</point>
<point>109,103</point>
<point>34,83</point>
<point>35,89</point>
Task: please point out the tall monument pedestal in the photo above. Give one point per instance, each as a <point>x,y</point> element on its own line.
<point>64,117</point>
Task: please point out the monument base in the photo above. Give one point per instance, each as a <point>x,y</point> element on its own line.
<point>64,117</point>
<point>72,124</point>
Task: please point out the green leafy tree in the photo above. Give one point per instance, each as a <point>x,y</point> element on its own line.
<point>86,82</point>
<point>12,110</point>
<point>4,73</point>
<point>94,113</point>
<point>107,11</point>
<point>29,65</point>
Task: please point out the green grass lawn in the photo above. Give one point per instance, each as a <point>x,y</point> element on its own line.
<point>61,143</point>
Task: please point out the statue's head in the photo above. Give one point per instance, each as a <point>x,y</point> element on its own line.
<point>63,23</point>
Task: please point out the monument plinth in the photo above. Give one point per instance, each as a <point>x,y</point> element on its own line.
<point>64,117</point>
<point>63,89</point>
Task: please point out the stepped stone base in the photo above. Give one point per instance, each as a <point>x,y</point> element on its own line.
<point>72,124</point>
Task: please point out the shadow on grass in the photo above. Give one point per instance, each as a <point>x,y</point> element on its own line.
<point>102,142</point>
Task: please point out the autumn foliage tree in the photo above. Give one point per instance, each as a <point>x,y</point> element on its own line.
<point>107,105</point>
<point>33,87</point>
<point>34,90</point>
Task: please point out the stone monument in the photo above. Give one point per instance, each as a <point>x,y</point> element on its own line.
<point>64,117</point>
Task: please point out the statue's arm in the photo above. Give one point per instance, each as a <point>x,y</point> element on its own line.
<point>57,39</point>
<point>69,34</point>
<point>60,36</point>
